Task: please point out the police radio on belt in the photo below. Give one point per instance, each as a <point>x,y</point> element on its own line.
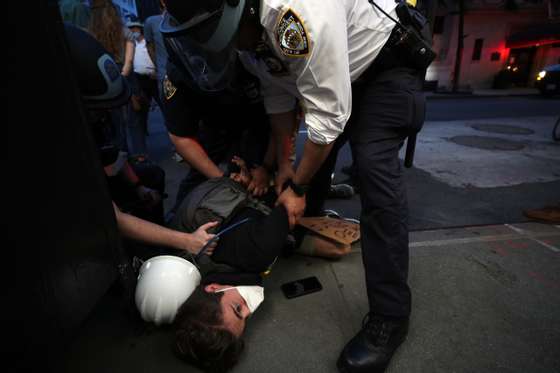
<point>409,42</point>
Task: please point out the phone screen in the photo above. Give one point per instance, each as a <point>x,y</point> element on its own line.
<point>301,287</point>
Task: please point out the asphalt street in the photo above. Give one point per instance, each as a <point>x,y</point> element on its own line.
<point>447,109</point>
<point>478,161</point>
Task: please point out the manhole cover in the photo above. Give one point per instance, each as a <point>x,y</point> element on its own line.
<point>502,128</point>
<point>487,143</point>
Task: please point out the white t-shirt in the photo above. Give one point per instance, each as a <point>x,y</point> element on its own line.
<point>142,62</point>
<point>316,49</point>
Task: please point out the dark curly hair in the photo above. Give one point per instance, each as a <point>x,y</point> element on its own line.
<point>200,336</point>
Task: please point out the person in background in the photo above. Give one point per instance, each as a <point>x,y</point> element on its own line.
<point>146,78</point>
<point>154,43</point>
<point>107,27</point>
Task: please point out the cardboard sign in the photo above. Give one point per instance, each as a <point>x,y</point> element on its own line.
<point>336,229</point>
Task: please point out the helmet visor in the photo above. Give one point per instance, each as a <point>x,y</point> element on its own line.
<point>205,46</point>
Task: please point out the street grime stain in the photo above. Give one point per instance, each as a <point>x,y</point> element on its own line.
<point>495,271</point>
<point>503,129</point>
<point>498,249</point>
<point>487,143</point>
<point>505,248</point>
<point>543,280</point>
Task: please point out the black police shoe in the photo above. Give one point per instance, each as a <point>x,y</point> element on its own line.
<point>370,351</point>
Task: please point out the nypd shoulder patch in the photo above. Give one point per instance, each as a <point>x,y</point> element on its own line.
<point>292,36</point>
<point>168,88</point>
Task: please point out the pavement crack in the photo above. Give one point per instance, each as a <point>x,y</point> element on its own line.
<point>495,271</point>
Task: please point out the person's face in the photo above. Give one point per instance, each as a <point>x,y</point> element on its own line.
<point>136,29</point>
<point>234,309</point>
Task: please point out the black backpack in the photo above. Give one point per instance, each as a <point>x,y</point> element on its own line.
<point>217,199</point>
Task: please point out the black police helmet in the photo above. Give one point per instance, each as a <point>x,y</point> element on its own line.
<point>99,78</point>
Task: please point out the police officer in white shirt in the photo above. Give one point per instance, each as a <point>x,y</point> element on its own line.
<point>358,77</point>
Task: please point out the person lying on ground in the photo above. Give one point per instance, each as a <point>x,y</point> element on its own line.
<point>209,325</point>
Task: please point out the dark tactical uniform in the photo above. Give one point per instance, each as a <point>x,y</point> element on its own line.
<point>228,124</point>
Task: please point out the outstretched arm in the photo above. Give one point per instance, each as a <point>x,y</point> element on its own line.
<point>150,233</point>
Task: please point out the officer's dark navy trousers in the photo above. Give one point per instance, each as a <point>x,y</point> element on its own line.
<point>386,107</point>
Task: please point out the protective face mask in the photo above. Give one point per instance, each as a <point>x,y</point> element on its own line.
<point>253,295</point>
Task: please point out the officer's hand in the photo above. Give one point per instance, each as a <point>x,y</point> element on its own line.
<point>243,176</point>
<point>150,196</point>
<point>294,205</point>
<point>285,173</point>
<point>260,181</point>
<point>200,237</point>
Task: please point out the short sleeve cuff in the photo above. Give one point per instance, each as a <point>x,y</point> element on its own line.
<point>324,133</point>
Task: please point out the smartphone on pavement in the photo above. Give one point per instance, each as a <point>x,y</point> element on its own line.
<point>301,287</point>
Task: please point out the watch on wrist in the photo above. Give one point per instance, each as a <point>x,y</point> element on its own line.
<point>299,190</point>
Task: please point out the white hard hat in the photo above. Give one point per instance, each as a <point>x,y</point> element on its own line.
<point>164,283</point>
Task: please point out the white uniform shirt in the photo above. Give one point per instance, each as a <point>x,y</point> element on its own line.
<point>317,48</point>
<point>142,62</point>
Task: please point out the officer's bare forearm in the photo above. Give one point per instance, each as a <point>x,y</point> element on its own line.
<point>313,157</point>
<point>147,232</point>
<point>283,126</point>
<point>196,156</point>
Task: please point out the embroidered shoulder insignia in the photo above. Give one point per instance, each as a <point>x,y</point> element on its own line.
<point>292,36</point>
<point>168,88</point>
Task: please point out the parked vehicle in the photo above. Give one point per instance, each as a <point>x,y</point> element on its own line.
<point>548,80</point>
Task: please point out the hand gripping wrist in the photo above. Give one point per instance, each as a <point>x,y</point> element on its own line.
<point>299,189</point>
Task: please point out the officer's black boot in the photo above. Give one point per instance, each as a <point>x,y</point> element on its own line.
<point>370,351</point>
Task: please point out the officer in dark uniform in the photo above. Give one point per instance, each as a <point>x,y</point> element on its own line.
<point>209,128</point>
<point>357,69</point>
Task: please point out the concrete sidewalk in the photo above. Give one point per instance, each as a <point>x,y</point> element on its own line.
<point>485,299</point>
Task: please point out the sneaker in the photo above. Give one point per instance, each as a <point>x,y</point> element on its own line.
<point>330,214</point>
<point>343,191</point>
